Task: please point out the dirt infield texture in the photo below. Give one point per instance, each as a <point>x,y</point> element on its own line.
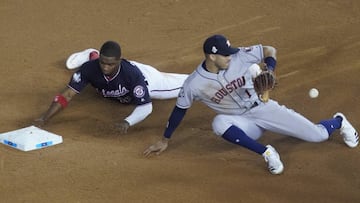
<point>318,45</point>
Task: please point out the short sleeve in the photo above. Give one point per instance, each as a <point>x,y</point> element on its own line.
<point>78,81</point>
<point>186,97</point>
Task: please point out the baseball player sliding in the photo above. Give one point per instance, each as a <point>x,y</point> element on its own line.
<point>229,82</point>
<point>114,77</point>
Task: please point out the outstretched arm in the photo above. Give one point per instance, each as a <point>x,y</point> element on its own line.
<point>175,119</point>
<point>138,115</point>
<point>60,101</point>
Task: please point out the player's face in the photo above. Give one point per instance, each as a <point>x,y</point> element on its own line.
<point>222,62</point>
<point>109,65</point>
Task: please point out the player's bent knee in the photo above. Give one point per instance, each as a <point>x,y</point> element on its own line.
<point>220,125</point>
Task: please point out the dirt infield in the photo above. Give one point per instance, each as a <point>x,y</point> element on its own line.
<point>318,46</point>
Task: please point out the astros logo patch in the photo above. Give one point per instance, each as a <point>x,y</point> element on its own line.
<point>139,91</point>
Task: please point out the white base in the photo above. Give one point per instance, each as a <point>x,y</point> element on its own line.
<point>29,138</point>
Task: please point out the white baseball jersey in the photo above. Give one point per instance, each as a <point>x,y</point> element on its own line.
<point>228,92</point>
<point>161,85</point>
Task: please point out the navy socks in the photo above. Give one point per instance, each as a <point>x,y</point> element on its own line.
<point>237,136</point>
<point>332,124</point>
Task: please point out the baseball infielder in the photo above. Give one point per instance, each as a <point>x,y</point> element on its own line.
<point>224,81</point>
<point>129,82</point>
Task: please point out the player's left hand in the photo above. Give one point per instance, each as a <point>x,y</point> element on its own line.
<point>123,126</point>
<point>157,148</point>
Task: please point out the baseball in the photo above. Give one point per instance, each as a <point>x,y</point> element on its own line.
<point>313,93</point>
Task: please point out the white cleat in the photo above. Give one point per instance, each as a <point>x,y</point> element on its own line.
<point>350,136</point>
<point>272,158</point>
<point>75,60</point>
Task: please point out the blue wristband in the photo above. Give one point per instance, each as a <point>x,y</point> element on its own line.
<point>270,63</point>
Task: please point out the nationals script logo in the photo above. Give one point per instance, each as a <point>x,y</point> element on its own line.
<point>115,93</point>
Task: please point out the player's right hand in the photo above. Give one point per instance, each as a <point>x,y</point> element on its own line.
<point>123,126</point>
<point>157,148</point>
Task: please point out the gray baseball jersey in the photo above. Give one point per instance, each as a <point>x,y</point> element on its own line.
<point>228,92</point>
<point>231,94</point>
